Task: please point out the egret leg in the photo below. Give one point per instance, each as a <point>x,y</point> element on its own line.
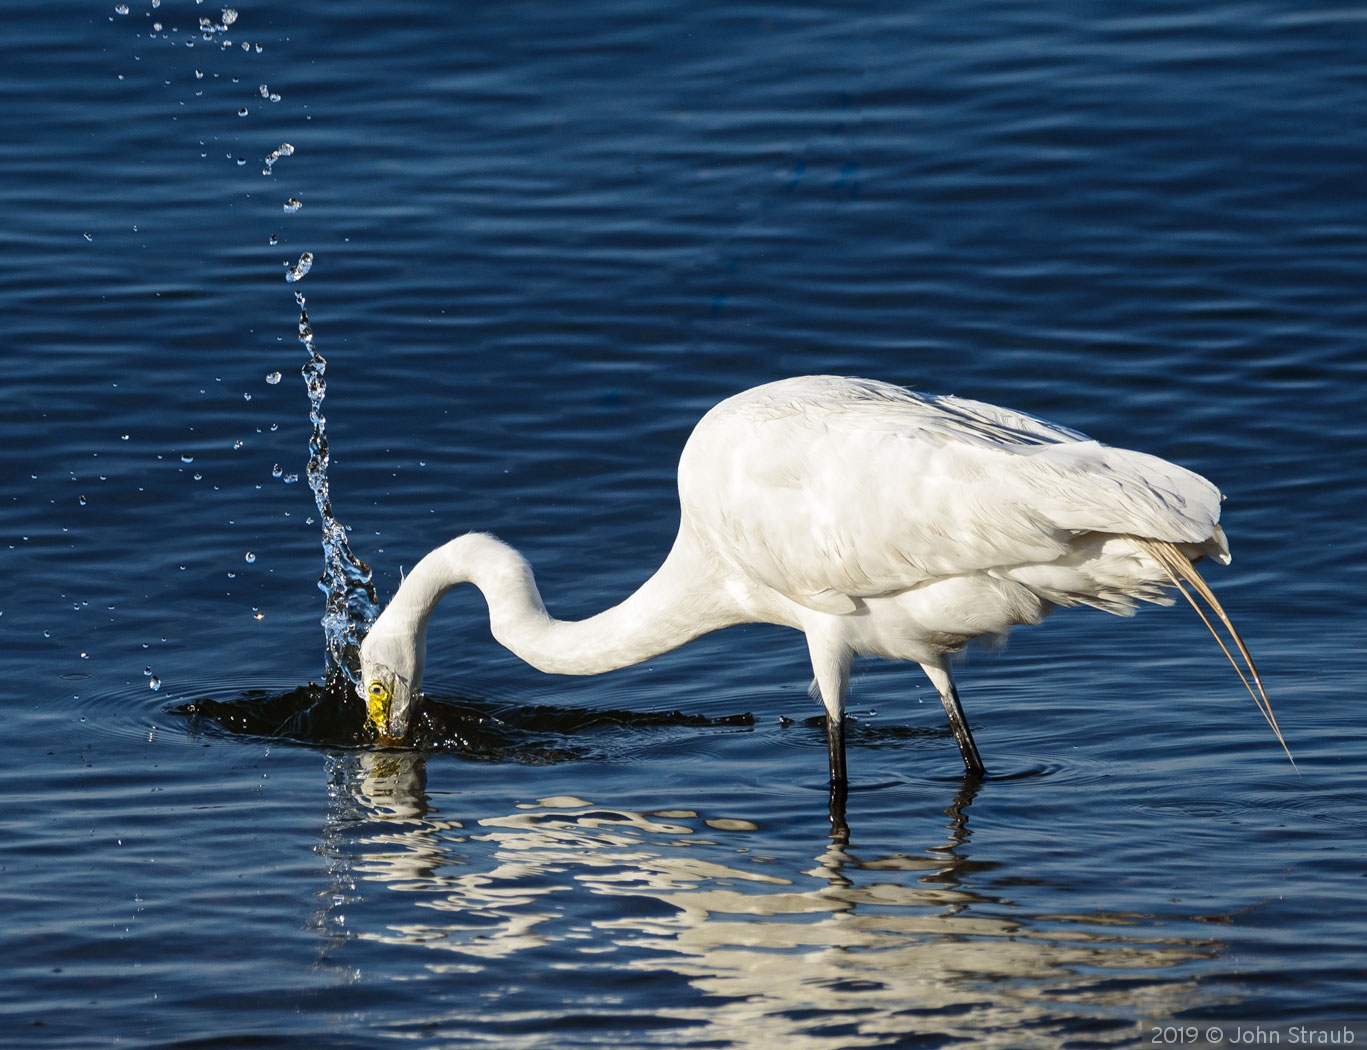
<point>973,763</point>
<point>943,679</point>
<point>840,828</point>
<point>835,743</point>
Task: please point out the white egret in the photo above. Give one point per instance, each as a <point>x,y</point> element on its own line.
<point>875,520</point>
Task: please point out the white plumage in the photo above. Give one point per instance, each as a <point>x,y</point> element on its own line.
<point>875,520</point>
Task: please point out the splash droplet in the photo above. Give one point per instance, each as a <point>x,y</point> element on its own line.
<point>300,269</point>
<point>250,557</point>
<point>293,205</point>
<point>273,378</point>
<point>154,683</point>
<point>284,150</point>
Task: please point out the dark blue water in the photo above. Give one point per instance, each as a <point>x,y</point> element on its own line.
<point>547,237</point>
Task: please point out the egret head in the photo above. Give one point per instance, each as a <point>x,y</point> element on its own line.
<point>391,678</point>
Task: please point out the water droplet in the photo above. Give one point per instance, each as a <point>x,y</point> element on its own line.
<point>258,616</point>
<point>250,557</point>
<point>243,111</point>
<point>199,74</point>
<point>154,683</point>
<point>274,239</point>
<point>241,161</point>
<point>88,237</point>
<point>121,9</point>
<point>47,633</point>
<point>147,671</point>
<point>229,16</point>
<point>187,459</point>
<point>273,378</point>
<point>123,437</point>
<point>284,150</point>
<point>300,269</point>
<point>238,443</point>
<point>81,500</point>
<point>276,471</point>
<point>290,479</point>
<point>246,396</point>
<point>293,205</point>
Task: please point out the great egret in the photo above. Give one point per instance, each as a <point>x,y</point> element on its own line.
<point>875,520</point>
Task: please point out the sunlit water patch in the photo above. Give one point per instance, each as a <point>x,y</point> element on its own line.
<point>743,943</point>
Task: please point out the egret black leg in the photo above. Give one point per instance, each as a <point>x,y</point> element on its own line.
<point>835,741</point>
<point>973,763</point>
<point>840,828</point>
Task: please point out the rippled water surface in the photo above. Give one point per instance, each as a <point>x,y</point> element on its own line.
<point>544,239</point>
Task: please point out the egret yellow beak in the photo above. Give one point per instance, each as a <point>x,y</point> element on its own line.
<point>379,703</point>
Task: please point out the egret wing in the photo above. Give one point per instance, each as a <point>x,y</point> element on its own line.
<point>824,487</point>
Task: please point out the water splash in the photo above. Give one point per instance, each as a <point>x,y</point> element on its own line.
<point>351,604</point>
<point>285,150</point>
<point>300,270</point>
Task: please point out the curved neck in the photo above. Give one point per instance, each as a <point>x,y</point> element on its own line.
<point>680,602</point>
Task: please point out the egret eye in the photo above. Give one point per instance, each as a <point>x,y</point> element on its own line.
<point>377,691</point>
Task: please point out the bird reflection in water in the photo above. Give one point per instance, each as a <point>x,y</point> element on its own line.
<point>846,952</point>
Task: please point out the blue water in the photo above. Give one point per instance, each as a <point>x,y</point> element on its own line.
<point>547,238</point>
